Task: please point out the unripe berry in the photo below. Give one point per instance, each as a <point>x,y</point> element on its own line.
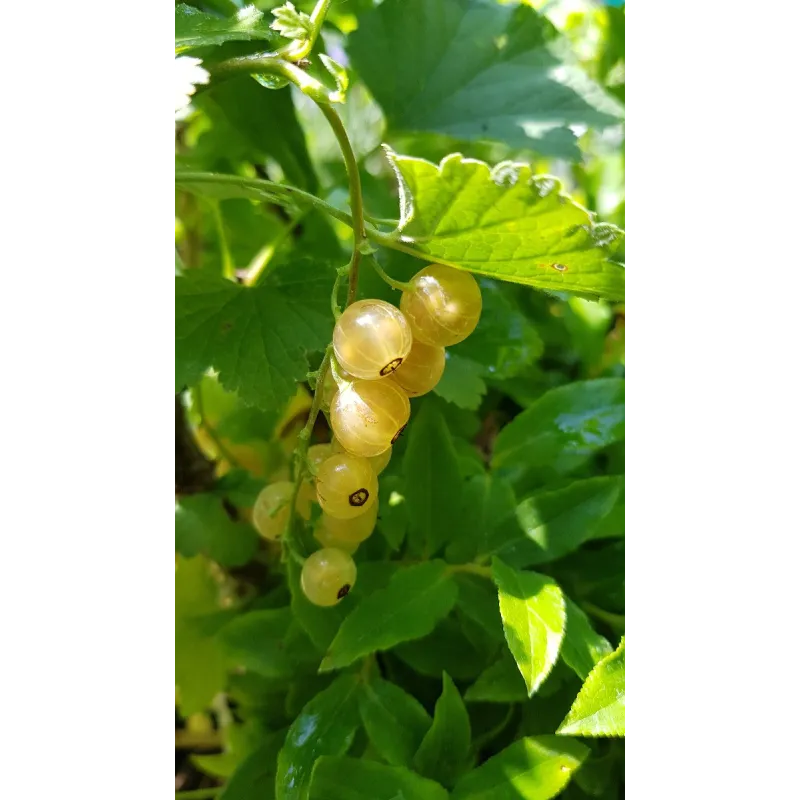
<point>327,576</point>
<point>371,339</point>
<point>379,462</point>
<point>421,370</point>
<point>368,416</point>
<point>443,306</point>
<point>271,509</point>
<point>346,534</point>
<point>346,486</point>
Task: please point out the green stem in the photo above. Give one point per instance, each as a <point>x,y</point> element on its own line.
<point>475,569</point>
<point>615,620</point>
<point>212,434</point>
<point>297,50</point>
<point>291,192</point>
<point>356,198</point>
<point>257,269</point>
<point>199,794</point>
<point>399,285</point>
<point>228,267</point>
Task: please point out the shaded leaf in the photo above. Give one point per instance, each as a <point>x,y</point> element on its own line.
<point>416,598</point>
<point>326,726</point>
<point>443,753</point>
<point>499,683</point>
<point>358,779</point>
<point>561,430</point>
<point>477,598</point>
<point>582,647</point>
<point>432,480</point>
<point>394,720</point>
<point>599,708</point>
<point>560,521</point>
<point>254,779</point>
<point>461,383</point>
<point>477,70</point>
<point>532,607</point>
<point>533,768</point>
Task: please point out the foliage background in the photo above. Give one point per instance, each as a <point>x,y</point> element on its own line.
<point>518,454</point>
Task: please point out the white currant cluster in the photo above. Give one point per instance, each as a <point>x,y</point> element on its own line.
<point>383,356</point>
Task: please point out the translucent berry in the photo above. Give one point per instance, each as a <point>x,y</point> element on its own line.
<point>318,453</point>
<point>271,509</point>
<point>346,486</point>
<point>444,305</point>
<point>368,416</point>
<point>327,576</point>
<point>371,339</point>
<point>379,462</point>
<point>346,534</point>
<point>329,387</point>
<point>421,370</point>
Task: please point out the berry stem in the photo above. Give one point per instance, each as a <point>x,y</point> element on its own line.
<point>399,285</point>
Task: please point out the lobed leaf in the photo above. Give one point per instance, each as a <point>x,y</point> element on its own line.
<point>532,608</point>
<point>476,70</point>
<point>194,28</point>
<point>408,608</point>
<point>599,708</point>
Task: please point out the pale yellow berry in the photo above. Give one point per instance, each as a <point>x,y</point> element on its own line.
<point>421,370</point>
<point>368,416</point>
<point>318,453</point>
<point>346,486</point>
<point>271,509</point>
<point>327,576</point>
<point>379,462</point>
<point>443,306</point>
<point>371,339</point>
<point>346,534</point>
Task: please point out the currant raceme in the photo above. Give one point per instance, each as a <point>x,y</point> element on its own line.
<point>367,417</point>
<point>327,576</point>
<point>346,486</point>
<point>421,370</point>
<point>442,306</point>
<point>371,339</point>
<point>271,509</point>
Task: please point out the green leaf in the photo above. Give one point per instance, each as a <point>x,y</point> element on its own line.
<point>499,683</point>
<point>193,28</point>
<point>326,726</point>
<point>433,480</point>
<point>477,70</point>
<point>487,522</point>
<point>357,779</point>
<point>532,608</point>
<point>394,720</point>
<point>339,74</point>
<point>560,521</point>
<point>264,123</point>
<point>444,750</point>
<point>599,708</point>
<point>200,664</point>
<point>561,430</point>
<point>260,641</point>
<point>461,383</point>
<point>321,624</point>
<point>477,599</point>
<point>255,338</point>
<point>409,607</point>
<point>291,23</point>
<point>254,779</point>
<point>582,647</point>
<point>507,223</point>
<point>533,768</point>
<point>202,525</point>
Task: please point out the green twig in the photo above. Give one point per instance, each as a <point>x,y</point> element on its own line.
<point>199,794</point>
<point>228,267</point>
<point>257,269</point>
<point>399,285</point>
<point>615,620</point>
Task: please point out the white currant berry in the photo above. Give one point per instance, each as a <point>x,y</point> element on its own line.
<point>367,417</point>
<point>346,534</point>
<point>327,576</point>
<point>443,305</point>
<point>271,509</point>
<point>379,462</point>
<point>371,339</point>
<point>346,486</point>
<point>421,370</point>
